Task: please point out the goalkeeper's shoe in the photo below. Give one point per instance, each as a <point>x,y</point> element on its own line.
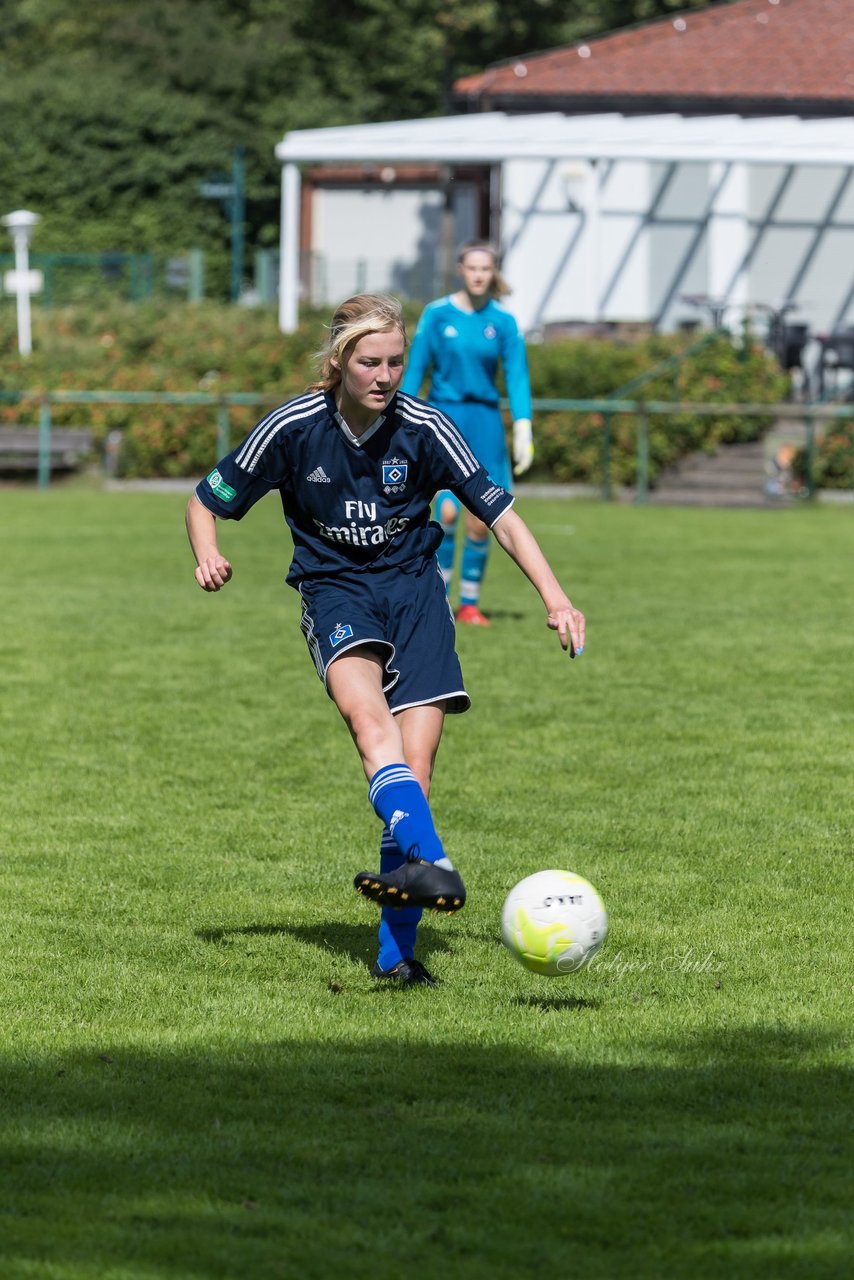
<point>414,883</point>
<point>409,973</point>
<point>469,615</point>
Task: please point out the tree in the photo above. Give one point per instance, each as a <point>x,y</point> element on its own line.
<point>115,110</point>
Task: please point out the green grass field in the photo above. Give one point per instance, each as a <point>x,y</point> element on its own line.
<point>199,1079</point>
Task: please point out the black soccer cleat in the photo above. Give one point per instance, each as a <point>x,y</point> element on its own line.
<point>414,884</point>
<point>409,973</point>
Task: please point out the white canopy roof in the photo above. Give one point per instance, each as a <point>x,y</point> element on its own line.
<point>490,137</point>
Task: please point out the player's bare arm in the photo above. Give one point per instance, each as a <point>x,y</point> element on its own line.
<point>213,571</point>
<point>521,545</point>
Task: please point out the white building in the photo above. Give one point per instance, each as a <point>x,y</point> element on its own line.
<point>608,216</point>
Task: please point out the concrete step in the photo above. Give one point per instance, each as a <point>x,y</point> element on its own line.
<point>674,497</point>
<point>748,449</point>
<point>721,462</point>
<point>733,476</point>
<point>731,479</point>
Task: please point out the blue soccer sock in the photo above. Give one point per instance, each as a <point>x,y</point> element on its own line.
<point>398,925</point>
<point>445,554</point>
<point>475,556</point>
<point>398,799</point>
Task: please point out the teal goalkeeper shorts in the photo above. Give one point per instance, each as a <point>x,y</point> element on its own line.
<point>482,427</point>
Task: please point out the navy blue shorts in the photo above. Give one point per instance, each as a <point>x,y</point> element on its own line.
<point>406,615</point>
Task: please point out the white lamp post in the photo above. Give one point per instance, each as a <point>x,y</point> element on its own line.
<point>22,281</point>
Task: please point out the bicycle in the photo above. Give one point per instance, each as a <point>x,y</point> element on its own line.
<point>787,342</point>
<point>716,307</point>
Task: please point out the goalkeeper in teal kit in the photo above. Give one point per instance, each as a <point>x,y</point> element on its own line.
<point>461,339</point>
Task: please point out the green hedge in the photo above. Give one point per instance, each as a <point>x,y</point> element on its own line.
<point>177,347</point>
<point>156,347</point>
<point>570,445</point>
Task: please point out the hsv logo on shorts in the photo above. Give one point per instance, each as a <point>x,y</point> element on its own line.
<point>394,475</point>
<point>341,632</point>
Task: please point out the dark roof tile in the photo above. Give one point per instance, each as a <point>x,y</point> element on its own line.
<point>780,50</point>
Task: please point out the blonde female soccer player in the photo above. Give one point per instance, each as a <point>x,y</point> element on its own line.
<point>356,464</point>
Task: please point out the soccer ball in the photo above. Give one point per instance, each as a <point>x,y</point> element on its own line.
<point>554,922</point>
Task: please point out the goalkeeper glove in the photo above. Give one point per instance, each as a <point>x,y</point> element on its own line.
<point>523,446</point>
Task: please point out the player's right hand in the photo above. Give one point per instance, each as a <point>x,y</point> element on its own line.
<point>213,573</point>
<point>571,625</point>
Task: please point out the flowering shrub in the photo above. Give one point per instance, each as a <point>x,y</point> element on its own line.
<point>219,349</point>
<point>833,458</point>
<point>572,446</point>
<point>159,348</point>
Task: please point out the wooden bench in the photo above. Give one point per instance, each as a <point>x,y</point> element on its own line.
<point>19,449</point>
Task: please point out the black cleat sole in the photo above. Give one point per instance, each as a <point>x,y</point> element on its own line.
<point>409,886</point>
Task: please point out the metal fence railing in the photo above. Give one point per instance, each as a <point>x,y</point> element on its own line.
<point>809,415</point>
<point>642,410</point>
<point>68,278</point>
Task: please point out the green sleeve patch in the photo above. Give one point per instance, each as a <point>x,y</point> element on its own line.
<point>220,488</point>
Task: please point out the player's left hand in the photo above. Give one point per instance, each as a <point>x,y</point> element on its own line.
<point>523,446</point>
<point>570,625</point>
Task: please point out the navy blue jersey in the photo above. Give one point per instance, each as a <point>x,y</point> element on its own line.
<point>351,505</point>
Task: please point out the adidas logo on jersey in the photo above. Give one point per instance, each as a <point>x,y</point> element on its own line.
<point>319,476</point>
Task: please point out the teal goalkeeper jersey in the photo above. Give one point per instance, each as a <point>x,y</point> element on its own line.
<point>462,351</point>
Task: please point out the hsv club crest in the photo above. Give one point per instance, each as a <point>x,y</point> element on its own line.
<point>394,475</point>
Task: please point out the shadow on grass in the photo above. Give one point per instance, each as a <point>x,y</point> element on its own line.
<point>501,615</point>
<point>505,615</point>
<point>548,1003</point>
<point>729,1159</point>
<point>355,942</point>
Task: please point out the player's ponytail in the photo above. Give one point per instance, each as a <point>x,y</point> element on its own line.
<point>363,314</point>
<point>498,287</point>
